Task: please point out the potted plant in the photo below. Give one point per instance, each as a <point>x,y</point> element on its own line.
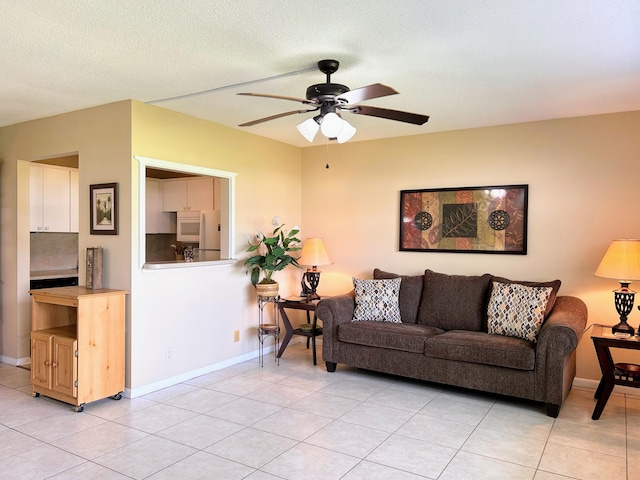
<point>272,254</point>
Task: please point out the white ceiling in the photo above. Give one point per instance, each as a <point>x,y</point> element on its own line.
<point>465,63</point>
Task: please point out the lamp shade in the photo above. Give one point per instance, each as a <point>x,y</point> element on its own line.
<point>309,128</point>
<point>314,253</point>
<point>346,133</point>
<point>621,261</point>
<point>331,125</point>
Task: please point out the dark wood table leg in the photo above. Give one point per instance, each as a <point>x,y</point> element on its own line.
<point>608,379</point>
<point>288,331</point>
<point>313,337</point>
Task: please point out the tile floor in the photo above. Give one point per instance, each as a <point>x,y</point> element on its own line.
<point>296,421</point>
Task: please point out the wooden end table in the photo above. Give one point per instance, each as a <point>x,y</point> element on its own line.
<point>311,333</point>
<point>604,341</point>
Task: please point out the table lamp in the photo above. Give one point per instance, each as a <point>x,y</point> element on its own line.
<point>314,254</point>
<point>622,262</point>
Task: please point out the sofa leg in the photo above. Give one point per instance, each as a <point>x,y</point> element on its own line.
<point>331,366</point>
<point>552,410</point>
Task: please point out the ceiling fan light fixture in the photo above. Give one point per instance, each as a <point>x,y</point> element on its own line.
<point>309,128</point>
<point>331,125</point>
<point>347,132</point>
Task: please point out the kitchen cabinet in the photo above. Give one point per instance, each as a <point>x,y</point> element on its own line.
<point>195,193</point>
<point>156,220</point>
<point>74,200</point>
<point>50,199</point>
<point>77,344</point>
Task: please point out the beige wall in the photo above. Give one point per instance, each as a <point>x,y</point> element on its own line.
<point>100,137</point>
<point>583,192</point>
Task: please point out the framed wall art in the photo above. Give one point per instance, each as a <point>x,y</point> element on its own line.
<point>465,220</point>
<point>104,209</point>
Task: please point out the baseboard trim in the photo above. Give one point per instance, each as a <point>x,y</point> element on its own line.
<point>593,384</point>
<point>16,362</point>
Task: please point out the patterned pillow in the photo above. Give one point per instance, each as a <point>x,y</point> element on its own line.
<point>517,310</point>
<point>377,300</point>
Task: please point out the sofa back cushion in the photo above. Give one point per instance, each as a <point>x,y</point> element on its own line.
<point>454,302</point>
<point>410,293</point>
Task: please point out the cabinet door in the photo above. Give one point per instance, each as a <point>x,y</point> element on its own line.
<point>174,196</point>
<point>153,204</point>
<point>41,359</point>
<point>36,199</point>
<point>57,200</point>
<point>65,365</point>
<point>200,193</point>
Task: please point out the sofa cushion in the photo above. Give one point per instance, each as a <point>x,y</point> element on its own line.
<point>517,310</point>
<point>483,348</point>
<point>406,337</point>
<point>377,300</point>
<point>554,284</point>
<point>454,302</point>
<point>410,293</point>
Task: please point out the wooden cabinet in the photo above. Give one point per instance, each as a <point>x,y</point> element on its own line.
<point>50,199</point>
<point>77,344</point>
<point>184,194</point>
<point>156,221</point>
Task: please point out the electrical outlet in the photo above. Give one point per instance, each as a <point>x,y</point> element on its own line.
<point>236,335</point>
<point>169,354</point>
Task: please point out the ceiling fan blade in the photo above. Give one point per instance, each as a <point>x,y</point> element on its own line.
<point>280,97</point>
<point>406,117</point>
<point>273,117</point>
<point>361,94</point>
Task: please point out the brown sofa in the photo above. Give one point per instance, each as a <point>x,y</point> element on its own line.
<point>443,338</point>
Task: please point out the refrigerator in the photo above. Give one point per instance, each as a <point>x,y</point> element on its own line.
<point>209,243</point>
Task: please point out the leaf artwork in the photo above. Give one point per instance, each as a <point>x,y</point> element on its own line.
<point>460,220</point>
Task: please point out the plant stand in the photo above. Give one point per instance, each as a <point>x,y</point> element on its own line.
<point>268,329</point>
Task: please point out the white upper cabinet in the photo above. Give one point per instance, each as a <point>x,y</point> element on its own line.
<point>50,199</point>
<point>156,221</point>
<point>74,193</point>
<point>187,194</point>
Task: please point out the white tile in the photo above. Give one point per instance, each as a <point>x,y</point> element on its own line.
<point>144,457</point>
<point>516,423</point>
<point>576,413</point>
<point>374,471</point>
<point>376,416</point>
<point>244,411</point>
<point>203,466</point>
<point>588,437</point>
<point>155,418</point>
<point>98,440</point>
<point>42,461</point>
<point>456,411</point>
<point>13,442</point>
<point>170,392</point>
<point>436,430</point>
<point>347,438</point>
<point>332,406</point>
<point>412,401</point>
<point>111,409</point>
<point>239,385</point>
<point>505,446</point>
<point>62,424</point>
<point>200,432</point>
<point>208,379</point>
<point>310,463</point>
<point>577,463</point>
<point>251,447</point>
<point>292,423</point>
<point>201,400</point>
<point>282,395</point>
<point>353,389</point>
<point>477,467</point>
<point>408,454</point>
<point>89,470</point>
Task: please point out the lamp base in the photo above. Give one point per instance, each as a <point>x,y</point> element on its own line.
<point>623,327</point>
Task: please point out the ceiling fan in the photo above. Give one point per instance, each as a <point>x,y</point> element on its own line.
<point>332,98</point>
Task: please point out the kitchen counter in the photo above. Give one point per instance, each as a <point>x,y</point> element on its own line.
<point>183,264</point>
<point>47,274</point>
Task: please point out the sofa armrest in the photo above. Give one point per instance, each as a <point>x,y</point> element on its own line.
<point>557,342</point>
<point>333,311</point>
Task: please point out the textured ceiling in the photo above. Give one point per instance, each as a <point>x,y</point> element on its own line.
<point>465,63</point>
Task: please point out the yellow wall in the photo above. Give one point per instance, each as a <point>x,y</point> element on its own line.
<point>583,192</point>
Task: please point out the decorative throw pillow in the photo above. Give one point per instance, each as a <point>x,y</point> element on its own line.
<point>410,293</point>
<point>554,284</point>
<point>377,300</point>
<point>517,310</point>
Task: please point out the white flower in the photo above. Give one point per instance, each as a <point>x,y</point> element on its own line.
<point>259,236</point>
<point>275,221</point>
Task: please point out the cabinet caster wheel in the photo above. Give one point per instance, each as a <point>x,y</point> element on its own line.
<point>79,408</point>
<point>117,396</point>
<point>35,394</point>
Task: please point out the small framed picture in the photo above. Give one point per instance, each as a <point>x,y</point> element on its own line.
<point>104,209</point>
